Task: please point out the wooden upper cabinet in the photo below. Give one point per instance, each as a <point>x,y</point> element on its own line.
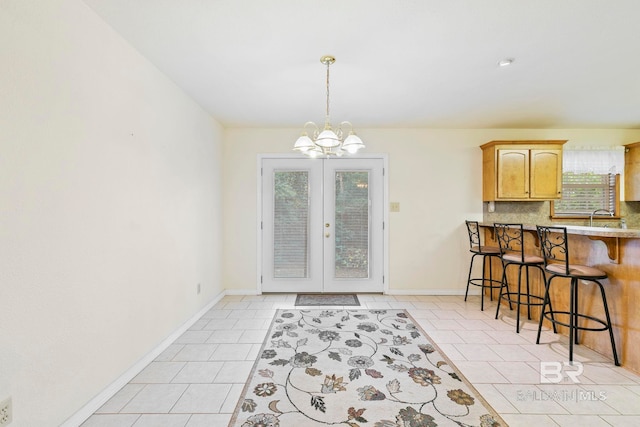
<point>513,174</point>
<point>632,172</point>
<point>522,170</point>
<point>546,174</point>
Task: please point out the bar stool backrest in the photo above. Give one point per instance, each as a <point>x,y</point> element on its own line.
<point>554,246</point>
<point>510,238</point>
<point>474,235</point>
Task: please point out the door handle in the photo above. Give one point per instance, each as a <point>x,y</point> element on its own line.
<point>327,225</point>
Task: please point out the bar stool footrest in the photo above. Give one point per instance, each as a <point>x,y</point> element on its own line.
<point>490,281</point>
<point>515,301</point>
<point>547,315</point>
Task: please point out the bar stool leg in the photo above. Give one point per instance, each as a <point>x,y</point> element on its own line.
<point>484,276</point>
<point>572,311</point>
<point>544,280</point>
<point>553,319</point>
<point>518,300</point>
<point>469,277</point>
<point>528,295</point>
<point>507,287</point>
<point>490,277</point>
<point>502,285</point>
<point>577,312</point>
<point>546,301</point>
<point>610,327</point>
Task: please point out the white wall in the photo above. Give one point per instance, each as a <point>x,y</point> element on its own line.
<point>110,208</point>
<point>436,175</point>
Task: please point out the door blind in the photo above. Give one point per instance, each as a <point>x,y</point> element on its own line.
<point>352,225</point>
<point>291,224</point>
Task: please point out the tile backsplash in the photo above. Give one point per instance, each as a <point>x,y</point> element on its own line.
<point>538,213</point>
<point>631,211</point>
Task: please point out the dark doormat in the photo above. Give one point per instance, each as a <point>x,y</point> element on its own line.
<point>327,299</point>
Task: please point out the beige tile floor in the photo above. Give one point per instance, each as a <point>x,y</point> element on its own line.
<point>198,379</point>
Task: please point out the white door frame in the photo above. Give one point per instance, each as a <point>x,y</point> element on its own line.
<point>385,243</point>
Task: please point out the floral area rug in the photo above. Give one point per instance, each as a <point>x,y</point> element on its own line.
<point>355,368</point>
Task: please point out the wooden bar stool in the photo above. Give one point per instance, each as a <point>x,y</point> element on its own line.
<point>511,241</point>
<point>555,250</point>
<point>487,253</point>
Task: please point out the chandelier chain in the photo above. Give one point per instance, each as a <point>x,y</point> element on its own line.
<point>327,121</point>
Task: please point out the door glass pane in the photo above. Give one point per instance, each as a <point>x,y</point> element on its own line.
<point>352,225</point>
<point>291,224</point>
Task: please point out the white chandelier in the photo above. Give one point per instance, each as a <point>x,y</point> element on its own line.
<point>328,142</point>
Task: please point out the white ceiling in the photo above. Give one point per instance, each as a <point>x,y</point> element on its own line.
<point>400,63</point>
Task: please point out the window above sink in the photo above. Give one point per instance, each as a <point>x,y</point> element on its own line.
<point>590,183</point>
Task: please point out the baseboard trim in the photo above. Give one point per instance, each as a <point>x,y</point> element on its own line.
<point>430,292</point>
<point>96,403</point>
<point>472,291</point>
<point>242,292</point>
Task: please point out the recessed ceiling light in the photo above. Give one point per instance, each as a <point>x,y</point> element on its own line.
<point>505,62</point>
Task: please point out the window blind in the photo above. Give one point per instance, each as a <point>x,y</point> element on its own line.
<point>589,180</point>
<point>582,193</point>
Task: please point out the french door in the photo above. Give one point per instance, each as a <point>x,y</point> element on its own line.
<point>322,225</point>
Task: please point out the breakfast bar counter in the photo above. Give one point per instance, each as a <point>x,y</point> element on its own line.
<point>584,231</point>
<point>615,251</point>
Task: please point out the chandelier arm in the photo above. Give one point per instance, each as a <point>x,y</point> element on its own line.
<point>313,131</point>
<point>347,123</point>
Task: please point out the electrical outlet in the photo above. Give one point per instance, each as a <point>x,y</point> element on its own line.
<point>6,412</point>
<point>394,207</point>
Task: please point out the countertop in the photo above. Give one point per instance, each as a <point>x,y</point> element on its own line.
<point>623,233</point>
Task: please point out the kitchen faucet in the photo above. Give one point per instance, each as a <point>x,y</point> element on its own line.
<point>595,212</point>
